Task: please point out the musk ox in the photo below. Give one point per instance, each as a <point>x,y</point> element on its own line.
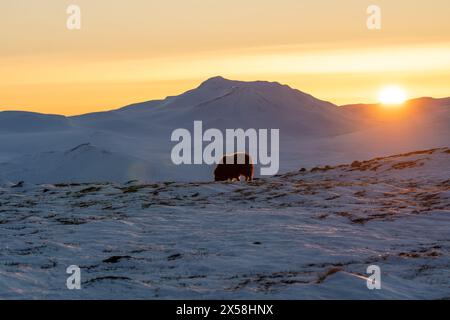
<point>229,168</point>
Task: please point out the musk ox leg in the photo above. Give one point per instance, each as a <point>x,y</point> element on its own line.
<point>248,174</point>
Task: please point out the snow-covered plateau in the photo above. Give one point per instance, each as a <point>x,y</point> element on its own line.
<point>304,234</point>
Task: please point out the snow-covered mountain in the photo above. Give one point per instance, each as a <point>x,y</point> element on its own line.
<point>421,111</point>
<point>312,132</point>
<point>222,103</point>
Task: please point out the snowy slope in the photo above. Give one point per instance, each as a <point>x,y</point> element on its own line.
<point>84,163</point>
<point>300,235</point>
<point>18,122</point>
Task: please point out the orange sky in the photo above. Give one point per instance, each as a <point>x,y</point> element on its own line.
<point>131,51</point>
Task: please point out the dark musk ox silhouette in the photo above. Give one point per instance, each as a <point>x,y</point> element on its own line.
<point>229,168</point>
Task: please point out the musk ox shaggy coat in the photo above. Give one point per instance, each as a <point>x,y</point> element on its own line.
<point>229,168</point>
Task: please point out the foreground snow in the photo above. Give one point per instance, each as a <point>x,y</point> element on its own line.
<point>295,236</point>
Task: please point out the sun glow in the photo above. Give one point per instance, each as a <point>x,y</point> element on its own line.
<point>392,95</point>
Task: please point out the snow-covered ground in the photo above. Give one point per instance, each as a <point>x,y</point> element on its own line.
<point>299,235</point>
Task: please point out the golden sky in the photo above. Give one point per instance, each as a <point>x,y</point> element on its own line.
<point>137,50</point>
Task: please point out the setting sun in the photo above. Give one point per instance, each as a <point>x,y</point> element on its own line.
<point>392,95</point>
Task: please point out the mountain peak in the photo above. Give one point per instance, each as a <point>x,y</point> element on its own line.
<point>217,81</point>
<point>220,81</point>
<point>217,78</point>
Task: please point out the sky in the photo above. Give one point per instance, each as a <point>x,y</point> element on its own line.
<point>138,50</point>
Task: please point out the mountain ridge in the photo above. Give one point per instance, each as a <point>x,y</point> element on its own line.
<point>221,83</point>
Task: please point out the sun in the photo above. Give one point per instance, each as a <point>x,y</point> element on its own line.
<point>392,95</point>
